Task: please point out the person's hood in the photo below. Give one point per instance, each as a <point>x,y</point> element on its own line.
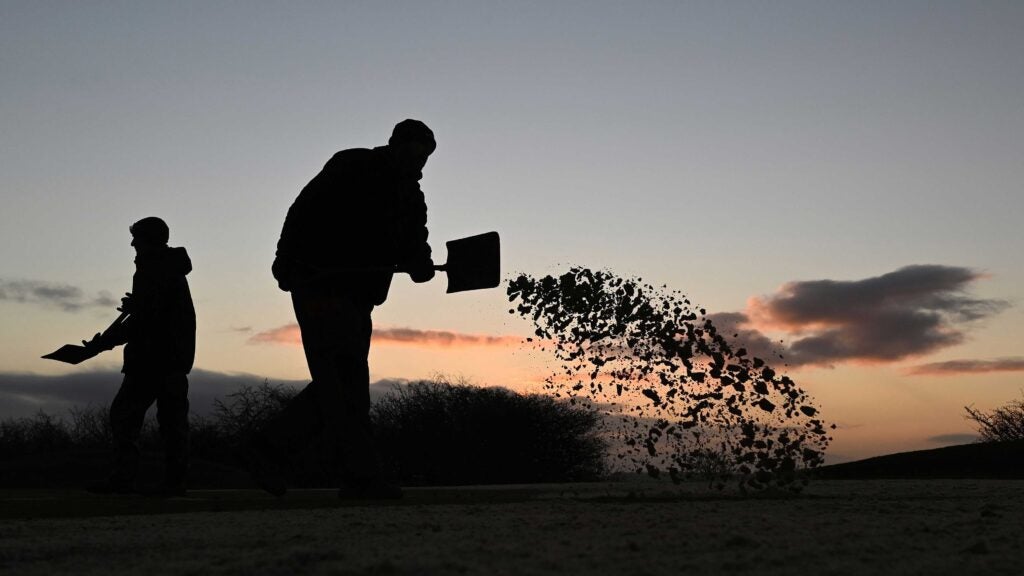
<point>165,262</point>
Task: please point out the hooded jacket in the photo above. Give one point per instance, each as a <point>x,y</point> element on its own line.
<point>356,214</point>
<point>160,334</point>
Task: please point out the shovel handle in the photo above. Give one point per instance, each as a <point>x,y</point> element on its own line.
<point>121,318</point>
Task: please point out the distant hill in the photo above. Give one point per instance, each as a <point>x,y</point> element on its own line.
<point>1003,460</point>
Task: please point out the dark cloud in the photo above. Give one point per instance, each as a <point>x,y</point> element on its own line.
<point>920,288</point>
<point>733,325</point>
<point>913,311</point>
<point>24,394</point>
<point>973,366</point>
<point>64,296</point>
<point>953,439</point>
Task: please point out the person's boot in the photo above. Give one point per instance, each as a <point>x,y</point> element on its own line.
<point>369,488</point>
<point>265,466</point>
<point>364,476</point>
<point>173,486</point>
<point>113,485</point>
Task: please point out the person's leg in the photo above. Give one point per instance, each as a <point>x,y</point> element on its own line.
<point>127,412</point>
<point>336,330</point>
<point>354,428</point>
<point>172,416</point>
<point>321,322</point>
<point>364,475</point>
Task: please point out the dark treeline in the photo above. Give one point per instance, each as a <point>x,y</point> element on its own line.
<point>428,433</point>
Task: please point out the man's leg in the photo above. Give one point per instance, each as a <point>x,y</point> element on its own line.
<point>336,330</point>
<point>325,320</point>
<point>354,431</point>
<point>127,412</point>
<point>172,416</point>
<point>322,324</point>
<point>300,421</point>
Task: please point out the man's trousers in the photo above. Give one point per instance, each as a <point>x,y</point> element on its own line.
<point>336,329</point>
<point>128,411</point>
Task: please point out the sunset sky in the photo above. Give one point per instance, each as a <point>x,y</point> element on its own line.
<point>843,177</point>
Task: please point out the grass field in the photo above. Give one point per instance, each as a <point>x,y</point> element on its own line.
<point>643,527</point>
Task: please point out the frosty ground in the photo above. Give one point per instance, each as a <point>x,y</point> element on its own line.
<point>640,527</point>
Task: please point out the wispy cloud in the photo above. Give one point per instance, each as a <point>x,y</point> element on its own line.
<point>441,338</point>
<point>910,312</point>
<point>289,334</point>
<point>63,296</point>
<point>968,366</point>
<point>953,439</point>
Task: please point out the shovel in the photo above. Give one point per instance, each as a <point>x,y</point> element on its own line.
<point>474,263</point>
<point>75,354</point>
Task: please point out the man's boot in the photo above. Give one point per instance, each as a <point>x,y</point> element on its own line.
<point>115,484</point>
<point>265,465</point>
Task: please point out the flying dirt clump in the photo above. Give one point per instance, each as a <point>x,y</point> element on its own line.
<point>679,398</point>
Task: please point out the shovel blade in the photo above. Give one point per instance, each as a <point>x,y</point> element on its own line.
<point>74,354</point>
<point>474,263</point>
<point>71,354</point>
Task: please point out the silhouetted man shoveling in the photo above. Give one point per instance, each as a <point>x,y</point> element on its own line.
<point>360,220</point>
<point>158,328</point>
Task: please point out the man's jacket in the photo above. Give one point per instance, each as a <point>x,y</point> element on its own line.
<point>355,219</point>
<point>160,334</point>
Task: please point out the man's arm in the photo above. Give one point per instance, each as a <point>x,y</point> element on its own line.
<point>115,335</point>
<point>413,249</point>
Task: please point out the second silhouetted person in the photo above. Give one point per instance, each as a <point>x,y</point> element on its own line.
<point>160,345</point>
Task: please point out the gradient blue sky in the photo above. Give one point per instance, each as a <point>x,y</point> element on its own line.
<point>722,148</point>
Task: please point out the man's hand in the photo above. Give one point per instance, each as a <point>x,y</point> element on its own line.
<point>421,271</point>
<point>126,303</point>
<point>96,344</point>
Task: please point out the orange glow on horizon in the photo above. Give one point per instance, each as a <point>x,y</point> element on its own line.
<point>290,334</point>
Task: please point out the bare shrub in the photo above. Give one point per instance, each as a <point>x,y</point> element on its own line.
<point>1001,424</point>
<point>713,464</point>
<point>444,433</point>
<point>431,432</point>
<point>39,433</point>
<point>90,426</point>
<point>247,409</point>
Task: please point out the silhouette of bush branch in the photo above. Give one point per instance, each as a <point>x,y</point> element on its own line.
<point>247,409</point>
<point>90,426</point>
<point>1001,424</point>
